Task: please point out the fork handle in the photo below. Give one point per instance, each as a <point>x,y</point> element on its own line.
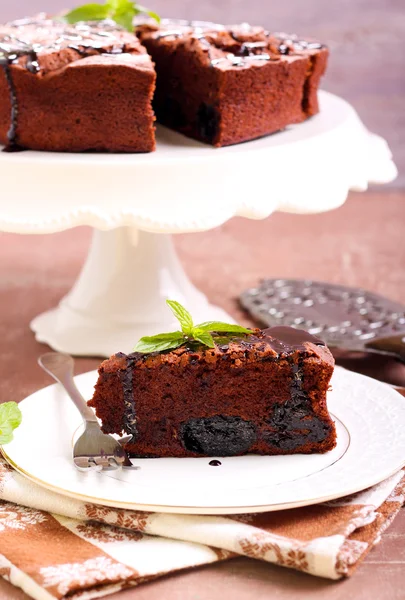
<point>60,367</point>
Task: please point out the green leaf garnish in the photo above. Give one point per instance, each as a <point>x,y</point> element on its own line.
<point>182,315</point>
<point>204,338</point>
<point>204,333</point>
<point>120,11</point>
<point>160,342</point>
<point>225,327</point>
<point>87,12</point>
<point>10,419</point>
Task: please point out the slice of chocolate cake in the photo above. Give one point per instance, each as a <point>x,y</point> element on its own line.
<point>225,85</point>
<point>82,87</point>
<point>262,393</point>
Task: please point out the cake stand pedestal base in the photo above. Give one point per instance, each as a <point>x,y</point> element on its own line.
<point>120,296</point>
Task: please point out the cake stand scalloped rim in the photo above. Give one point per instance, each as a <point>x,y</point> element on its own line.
<point>181,182</point>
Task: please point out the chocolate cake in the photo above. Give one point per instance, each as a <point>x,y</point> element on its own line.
<point>225,85</point>
<point>263,393</point>
<point>82,87</point>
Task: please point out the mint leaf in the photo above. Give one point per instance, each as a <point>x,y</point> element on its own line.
<point>125,19</point>
<point>213,326</point>
<point>120,11</point>
<point>199,333</point>
<point>123,12</point>
<point>114,5</point>
<point>10,419</point>
<point>204,338</point>
<point>6,434</point>
<point>182,315</point>
<point>121,6</point>
<point>87,12</point>
<point>10,413</point>
<point>160,342</point>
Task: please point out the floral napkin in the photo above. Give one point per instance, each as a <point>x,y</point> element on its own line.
<point>52,546</point>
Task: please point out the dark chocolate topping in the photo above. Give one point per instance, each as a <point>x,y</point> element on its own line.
<point>288,338</point>
<point>26,38</point>
<point>283,340</point>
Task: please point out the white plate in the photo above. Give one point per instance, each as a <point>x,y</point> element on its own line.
<point>370,420</point>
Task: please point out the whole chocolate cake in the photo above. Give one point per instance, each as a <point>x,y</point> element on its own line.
<point>81,87</point>
<point>262,393</point>
<point>225,85</point>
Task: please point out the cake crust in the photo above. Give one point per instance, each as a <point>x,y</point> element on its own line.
<point>262,394</point>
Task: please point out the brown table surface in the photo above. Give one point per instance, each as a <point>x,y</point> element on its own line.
<point>362,243</point>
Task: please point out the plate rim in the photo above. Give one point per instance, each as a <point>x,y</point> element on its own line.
<point>213,510</point>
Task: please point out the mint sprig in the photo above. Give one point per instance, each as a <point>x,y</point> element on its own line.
<point>204,333</point>
<point>10,419</point>
<point>122,12</point>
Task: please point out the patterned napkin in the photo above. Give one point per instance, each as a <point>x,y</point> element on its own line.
<point>52,546</point>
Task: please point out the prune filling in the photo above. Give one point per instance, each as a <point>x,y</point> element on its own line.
<point>218,436</point>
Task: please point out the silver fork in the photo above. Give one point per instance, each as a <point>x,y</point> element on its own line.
<point>94,450</point>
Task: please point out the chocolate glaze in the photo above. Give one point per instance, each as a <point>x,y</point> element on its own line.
<point>215,463</point>
<point>287,339</point>
<point>85,39</point>
<point>283,340</point>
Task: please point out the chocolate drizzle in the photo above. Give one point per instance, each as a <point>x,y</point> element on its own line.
<point>12,132</point>
<point>11,49</point>
<point>126,376</point>
<point>85,39</point>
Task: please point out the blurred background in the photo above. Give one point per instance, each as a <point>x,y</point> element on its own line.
<point>366,38</point>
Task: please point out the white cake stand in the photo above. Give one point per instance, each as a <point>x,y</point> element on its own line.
<point>134,201</point>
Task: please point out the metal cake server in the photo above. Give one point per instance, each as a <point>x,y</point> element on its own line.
<point>93,450</point>
<point>348,318</point>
